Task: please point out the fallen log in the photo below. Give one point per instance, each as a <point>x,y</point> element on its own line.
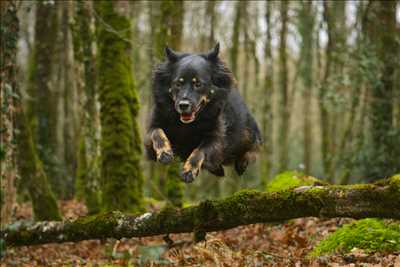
<point>245,207</point>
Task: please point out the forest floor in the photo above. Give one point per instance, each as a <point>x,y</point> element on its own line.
<point>285,244</point>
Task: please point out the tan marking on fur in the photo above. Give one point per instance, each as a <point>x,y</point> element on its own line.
<point>188,164</point>
<point>194,79</point>
<point>160,148</point>
<point>205,99</point>
<point>246,136</point>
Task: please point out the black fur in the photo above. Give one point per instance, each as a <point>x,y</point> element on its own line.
<point>223,127</point>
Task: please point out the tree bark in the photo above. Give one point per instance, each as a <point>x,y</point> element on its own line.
<point>88,171</point>
<point>70,100</point>
<point>385,50</point>
<point>33,176</point>
<point>234,51</point>
<point>122,177</point>
<point>245,207</point>
<point>306,30</point>
<point>267,121</point>
<point>8,96</point>
<point>44,83</point>
<point>284,89</point>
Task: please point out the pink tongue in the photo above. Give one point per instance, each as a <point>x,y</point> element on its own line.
<point>187,117</point>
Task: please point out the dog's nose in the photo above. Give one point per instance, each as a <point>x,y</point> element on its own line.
<point>184,105</point>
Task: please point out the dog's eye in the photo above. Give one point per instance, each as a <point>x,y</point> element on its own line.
<point>178,84</point>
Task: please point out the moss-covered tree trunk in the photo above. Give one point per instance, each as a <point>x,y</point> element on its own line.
<point>88,169</point>
<point>234,51</point>
<point>283,88</point>
<point>243,208</point>
<point>32,173</point>
<point>8,94</point>
<point>212,22</point>
<point>247,48</point>
<point>385,48</point>
<point>306,30</point>
<point>122,177</point>
<point>334,17</point>
<point>169,32</point>
<point>267,121</point>
<point>70,100</point>
<point>45,93</point>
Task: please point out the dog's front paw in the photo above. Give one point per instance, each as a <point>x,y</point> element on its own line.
<point>192,166</point>
<point>188,176</point>
<point>165,157</point>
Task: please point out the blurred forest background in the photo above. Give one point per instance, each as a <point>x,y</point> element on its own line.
<point>321,77</point>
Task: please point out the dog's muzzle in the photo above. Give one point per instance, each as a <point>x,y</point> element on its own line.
<point>188,111</point>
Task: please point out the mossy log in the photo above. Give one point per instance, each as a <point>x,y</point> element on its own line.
<point>243,208</point>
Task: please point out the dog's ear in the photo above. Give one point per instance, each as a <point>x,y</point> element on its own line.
<point>213,54</point>
<point>171,55</point>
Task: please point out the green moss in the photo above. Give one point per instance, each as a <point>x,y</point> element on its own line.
<point>395,181</point>
<point>291,179</point>
<point>371,235</point>
<point>32,174</point>
<point>122,177</point>
<point>86,185</point>
<point>174,185</point>
<point>102,225</point>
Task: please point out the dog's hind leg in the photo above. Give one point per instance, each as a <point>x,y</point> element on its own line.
<point>217,171</point>
<point>161,146</point>
<point>242,162</point>
<point>241,165</point>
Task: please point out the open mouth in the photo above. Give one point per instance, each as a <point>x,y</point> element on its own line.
<point>190,117</point>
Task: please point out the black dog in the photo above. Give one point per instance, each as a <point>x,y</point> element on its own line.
<point>199,115</point>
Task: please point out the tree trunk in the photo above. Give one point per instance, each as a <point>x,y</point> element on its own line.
<point>283,88</point>
<point>306,30</point>
<point>70,98</point>
<point>247,50</point>
<point>8,97</point>
<point>32,174</point>
<point>46,94</point>
<point>88,171</point>
<point>334,17</point>
<point>267,114</point>
<point>121,173</point>
<point>243,208</point>
<point>234,51</point>
<point>212,23</point>
<point>385,47</point>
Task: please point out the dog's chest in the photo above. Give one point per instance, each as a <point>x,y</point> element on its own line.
<point>185,138</point>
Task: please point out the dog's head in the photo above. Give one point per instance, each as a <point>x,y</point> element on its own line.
<point>195,82</point>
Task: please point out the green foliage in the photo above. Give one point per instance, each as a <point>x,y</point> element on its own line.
<point>122,177</point>
<point>371,235</point>
<point>291,179</point>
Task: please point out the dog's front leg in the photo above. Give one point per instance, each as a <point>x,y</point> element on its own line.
<point>192,166</point>
<point>209,156</point>
<point>161,146</point>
